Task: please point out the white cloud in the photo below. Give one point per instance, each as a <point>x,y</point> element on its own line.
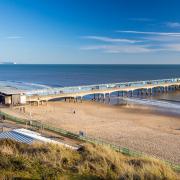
<point>150,42</point>
<point>173,24</point>
<point>135,49</point>
<point>172,47</point>
<point>177,34</point>
<point>120,49</point>
<point>108,39</point>
<point>162,39</point>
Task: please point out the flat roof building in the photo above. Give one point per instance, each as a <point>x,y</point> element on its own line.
<point>28,137</point>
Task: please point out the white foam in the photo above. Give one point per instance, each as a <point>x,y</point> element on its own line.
<point>164,105</point>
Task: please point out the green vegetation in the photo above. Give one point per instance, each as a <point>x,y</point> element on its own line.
<point>48,161</point>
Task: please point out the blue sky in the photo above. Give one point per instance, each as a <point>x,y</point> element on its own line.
<point>90,31</point>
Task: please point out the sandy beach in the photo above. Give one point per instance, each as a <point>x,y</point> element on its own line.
<point>138,128</point>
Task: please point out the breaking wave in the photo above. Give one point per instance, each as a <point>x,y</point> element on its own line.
<point>23,85</point>
<point>162,105</point>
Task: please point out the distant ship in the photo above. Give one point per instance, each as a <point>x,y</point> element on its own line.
<point>9,63</point>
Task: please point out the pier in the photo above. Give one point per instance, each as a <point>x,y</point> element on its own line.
<point>15,96</point>
<point>101,91</point>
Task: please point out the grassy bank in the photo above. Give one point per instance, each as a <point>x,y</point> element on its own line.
<point>40,161</point>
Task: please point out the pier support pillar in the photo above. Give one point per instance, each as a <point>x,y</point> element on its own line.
<point>163,89</point>
<point>151,91</point>
<point>98,97</point>
<point>122,93</point>
<point>75,99</point>
<point>167,88</point>
<point>109,97</point>
<point>132,93</point>
<point>138,92</point>
<point>159,90</point>
<point>104,97</point>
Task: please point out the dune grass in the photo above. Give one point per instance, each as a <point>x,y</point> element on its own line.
<point>48,161</point>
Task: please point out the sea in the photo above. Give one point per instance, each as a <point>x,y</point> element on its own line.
<point>73,75</point>
<point>53,75</point>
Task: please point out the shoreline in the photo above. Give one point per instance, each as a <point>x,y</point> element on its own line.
<point>138,128</point>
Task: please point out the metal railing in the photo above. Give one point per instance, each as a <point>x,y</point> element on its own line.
<point>123,150</point>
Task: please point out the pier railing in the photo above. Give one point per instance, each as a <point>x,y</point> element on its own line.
<point>76,89</point>
<point>123,150</point>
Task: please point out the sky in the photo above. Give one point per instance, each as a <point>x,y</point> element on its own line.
<point>90,31</point>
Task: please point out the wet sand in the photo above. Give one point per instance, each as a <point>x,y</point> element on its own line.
<point>138,128</point>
